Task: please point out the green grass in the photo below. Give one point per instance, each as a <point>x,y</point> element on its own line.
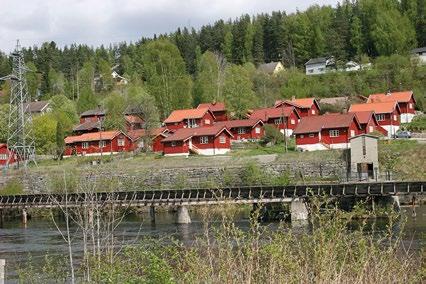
<point>12,187</point>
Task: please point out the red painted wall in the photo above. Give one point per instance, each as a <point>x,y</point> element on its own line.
<point>184,123</point>
<point>365,128</point>
<point>9,154</point>
<point>250,133</point>
<point>157,146</point>
<point>220,115</point>
<point>303,139</point>
<point>179,148</point>
<point>405,107</point>
<point>287,124</point>
<point>91,118</point>
<point>111,146</point>
<point>390,119</point>
<point>304,111</point>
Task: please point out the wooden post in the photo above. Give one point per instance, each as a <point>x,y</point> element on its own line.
<point>152,214</point>
<point>24,217</point>
<point>413,206</point>
<point>2,273</point>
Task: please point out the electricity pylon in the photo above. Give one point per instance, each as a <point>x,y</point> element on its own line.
<point>20,140</point>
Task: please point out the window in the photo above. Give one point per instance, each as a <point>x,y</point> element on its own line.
<point>3,156</point>
<point>370,128</point>
<point>257,130</point>
<point>334,133</point>
<point>84,145</point>
<point>241,130</point>
<point>395,117</point>
<point>102,144</point>
<point>173,144</point>
<point>207,121</point>
<point>311,135</point>
<point>310,70</point>
<point>410,105</point>
<point>278,120</point>
<point>313,111</point>
<point>292,121</point>
<point>192,123</point>
<point>352,133</point>
<point>301,136</point>
<point>380,117</point>
<point>222,139</point>
<point>120,142</point>
<point>204,139</point>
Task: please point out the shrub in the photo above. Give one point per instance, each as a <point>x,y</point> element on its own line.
<point>272,135</point>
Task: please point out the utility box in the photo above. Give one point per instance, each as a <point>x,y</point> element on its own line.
<point>364,156</point>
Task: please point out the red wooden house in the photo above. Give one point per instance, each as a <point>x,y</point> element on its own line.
<point>387,114</point>
<point>6,155</point>
<point>157,135</point>
<point>284,118</point>
<point>369,123</point>
<point>211,140</point>
<point>405,100</point>
<point>244,129</point>
<point>97,143</point>
<point>92,115</point>
<point>90,121</point>
<point>218,109</point>
<point>330,131</point>
<point>305,107</point>
<point>189,118</point>
<point>133,122</point>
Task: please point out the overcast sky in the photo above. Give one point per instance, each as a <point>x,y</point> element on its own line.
<point>96,22</point>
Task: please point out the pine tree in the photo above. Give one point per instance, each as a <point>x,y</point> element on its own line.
<point>258,55</point>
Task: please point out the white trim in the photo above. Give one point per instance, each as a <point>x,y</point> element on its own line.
<point>213,151</point>
<point>288,132</point>
<point>407,117</point>
<point>176,154</point>
<point>391,129</point>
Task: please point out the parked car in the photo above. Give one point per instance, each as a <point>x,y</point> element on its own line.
<point>403,134</point>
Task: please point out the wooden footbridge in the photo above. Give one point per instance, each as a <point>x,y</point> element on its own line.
<point>203,196</point>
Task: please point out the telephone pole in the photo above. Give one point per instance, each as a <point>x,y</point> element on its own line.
<point>20,140</point>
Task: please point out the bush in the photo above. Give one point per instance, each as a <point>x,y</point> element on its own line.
<point>272,135</point>
<point>418,124</point>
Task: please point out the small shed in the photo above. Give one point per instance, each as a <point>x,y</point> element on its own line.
<point>364,156</point>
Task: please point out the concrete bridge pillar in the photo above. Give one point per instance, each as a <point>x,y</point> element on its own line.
<point>298,210</point>
<point>396,203</point>
<point>183,215</point>
<point>24,216</point>
<point>2,273</point>
<point>152,214</point>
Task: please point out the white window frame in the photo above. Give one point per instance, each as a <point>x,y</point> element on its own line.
<point>410,105</point>
<point>352,133</point>
<point>222,139</point>
<point>370,128</point>
<point>301,136</point>
<point>192,123</point>
<point>313,111</point>
<point>241,130</point>
<point>102,144</point>
<point>257,130</point>
<point>395,117</point>
<point>380,117</point>
<point>311,135</point>
<point>207,121</point>
<point>204,139</point>
<point>121,142</point>
<point>278,121</point>
<point>84,145</point>
<point>334,133</point>
<point>3,157</point>
<point>292,121</point>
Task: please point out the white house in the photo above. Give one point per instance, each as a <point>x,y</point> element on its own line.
<point>271,68</point>
<point>420,53</point>
<point>320,65</point>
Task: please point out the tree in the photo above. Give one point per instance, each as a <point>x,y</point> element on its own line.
<point>356,46</point>
<point>4,122</point>
<point>44,129</point>
<point>64,111</point>
<point>33,80</point>
<point>105,74</point>
<point>166,76</point>
<point>258,55</point>
<point>86,100</point>
<point>206,82</point>
<point>115,106</point>
<point>60,143</point>
<point>238,90</point>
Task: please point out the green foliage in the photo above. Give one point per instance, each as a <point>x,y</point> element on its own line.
<point>44,129</point>
<point>60,143</point>
<point>253,174</point>
<point>115,106</point>
<point>4,122</point>
<point>207,85</point>
<point>64,111</point>
<point>418,124</point>
<point>87,100</point>
<point>272,135</point>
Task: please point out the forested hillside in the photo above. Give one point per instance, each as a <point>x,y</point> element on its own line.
<point>218,62</point>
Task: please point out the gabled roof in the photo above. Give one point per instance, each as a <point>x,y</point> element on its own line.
<point>240,123</point>
<point>314,124</point>
<point>35,107</point>
<point>93,136</point>
<point>184,134</point>
<point>268,67</point>
<point>364,116</point>
<point>400,97</point>
<point>87,125</point>
<point>93,112</point>
<point>133,119</point>
<point>378,108</point>
<point>132,109</point>
<point>217,106</point>
<point>299,103</point>
<point>274,112</point>
<point>326,60</point>
<point>138,133</point>
<point>181,114</point>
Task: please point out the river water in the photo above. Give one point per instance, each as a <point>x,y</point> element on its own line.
<point>39,237</point>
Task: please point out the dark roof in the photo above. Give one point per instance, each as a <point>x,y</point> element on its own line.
<point>132,109</point>
<point>314,124</point>
<point>184,134</point>
<point>240,123</point>
<point>316,60</point>
<point>88,125</point>
<point>35,107</point>
<point>93,112</point>
<point>268,67</point>
<point>419,49</point>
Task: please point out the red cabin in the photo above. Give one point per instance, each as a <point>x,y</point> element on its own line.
<point>387,114</point>
<point>305,107</point>
<point>92,115</point>
<point>405,100</point>
<point>157,135</point>
<point>133,122</point>
<point>218,110</point>
<point>331,131</point>
<point>244,129</point>
<point>212,140</point>
<point>189,118</point>
<point>6,155</point>
<point>97,143</point>
<point>369,123</point>
<point>284,118</point>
